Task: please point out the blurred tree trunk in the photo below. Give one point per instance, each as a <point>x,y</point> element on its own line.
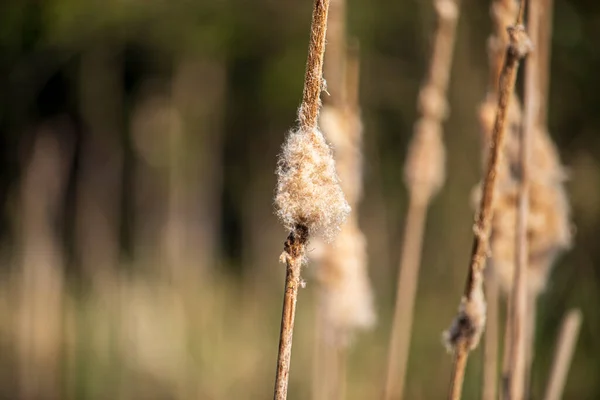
<point>98,204</point>
<point>39,311</point>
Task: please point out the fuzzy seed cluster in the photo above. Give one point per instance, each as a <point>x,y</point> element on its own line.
<point>548,225</point>
<point>345,289</point>
<point>347,299</point>
<point>308,190</point>
<point>425,164</point>
<point>469,323</point>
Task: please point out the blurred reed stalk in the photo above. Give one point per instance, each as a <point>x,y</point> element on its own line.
<point>424,177</point>
<point>519,295</point>
<point>345,302</point>
<point>565,348</point>
<point>465,332</point>
<point>503,13</point>
<point>308,199</point>
<point>39,308</point>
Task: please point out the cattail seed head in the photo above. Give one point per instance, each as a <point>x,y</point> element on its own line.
<point>469,323</point>
<point>548,222</point>
<point>347,296</point>
<point>425,163</point>
<point>343,129</point>
<point>308,190</point>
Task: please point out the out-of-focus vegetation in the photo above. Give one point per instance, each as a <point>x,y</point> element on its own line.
<point>139,248</point>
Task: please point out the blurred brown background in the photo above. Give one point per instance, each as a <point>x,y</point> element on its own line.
<point>138,145</point>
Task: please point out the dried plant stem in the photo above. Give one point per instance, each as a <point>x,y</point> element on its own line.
<point>490,352</point>
<point>313,80</point>
<point>530,344</point>
<point>426,149</point>
<point>564,353</point>
<point>459,365</point>
<point>544,51</point>
<point>519,294</point>
<point>518,48</point>
<point>294,248</point>
<point>405,299</point>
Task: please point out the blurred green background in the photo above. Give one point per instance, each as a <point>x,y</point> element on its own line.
<point>138,142</point>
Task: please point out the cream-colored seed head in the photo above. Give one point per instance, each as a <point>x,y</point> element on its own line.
<point>308,190</point>
<point>344,131</point>
<point>548,223</point>
<point>347,297</point>
<point>469,323</point>
<point>426,160</point>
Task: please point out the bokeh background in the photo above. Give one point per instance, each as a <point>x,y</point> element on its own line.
<point>138,142</point>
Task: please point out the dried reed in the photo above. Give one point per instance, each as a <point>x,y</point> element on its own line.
<point>518,310</point>
<point>564,353</point>
<point>465,332</point>
<point>424,177</point>
<point>547,222</point>
<point>345,298</point>
<point>308,199</point>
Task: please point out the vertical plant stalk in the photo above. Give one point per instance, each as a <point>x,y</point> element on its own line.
<point>544,52</point>
<point>326,376</point>
<point>564,353</point>
<point>490,352</point>
<point>294,248</point>
<point>503,13</point>
<point>519,295</point>
<point>313,80</point>
<point>465,332</point>
<point>424,176</point>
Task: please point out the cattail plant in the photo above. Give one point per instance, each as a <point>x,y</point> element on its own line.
<point>345,303</point>
<point>545,223</point>
<point>424,177</point>
<point>465,332</point>
<point>308,199</point>
<point>503,13</point>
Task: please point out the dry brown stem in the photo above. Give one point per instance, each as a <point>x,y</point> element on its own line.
<point>503,13</point>
<point>519,294</point>
<point>293,253</point>
<point>564,353</point>
<point>291,185</point>
<point>467,328</point>
<point>313,80</point>
<point>544,52</point>
<point>490,352</point>
<point>424,177</point>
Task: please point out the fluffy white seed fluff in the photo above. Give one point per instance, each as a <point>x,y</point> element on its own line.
<point>425,164</point>
<point>346,292</point>
<point>469,323</point>
<point>344,132</point>
<point>308,190</point>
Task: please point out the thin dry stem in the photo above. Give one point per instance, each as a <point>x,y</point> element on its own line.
<point>564,353</point>
<point>490,353</point>
<point>424,176</point>
<point>544,52</point>
<point>290,177</point>
<point>519,294</point>
<point>313,81</point>
<point>466,339</point>
<point>406,290</point>
<point>459,365</point>
<point>335,60</point>
<point>293,255</point>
